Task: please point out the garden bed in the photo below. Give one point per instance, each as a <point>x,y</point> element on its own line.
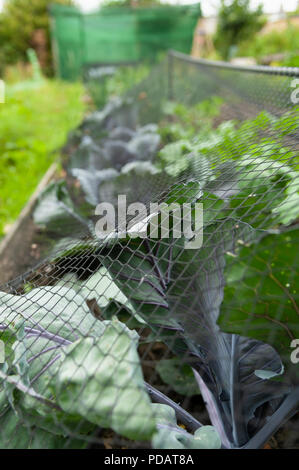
<point>22,247</point>
<point>137,316</point>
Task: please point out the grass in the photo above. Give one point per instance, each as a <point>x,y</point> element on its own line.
<point>34,124</point>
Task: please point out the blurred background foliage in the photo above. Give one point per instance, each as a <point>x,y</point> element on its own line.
<point>237,21</point>
<point>283,44</point>
<point>242,31</point>
<point>115,83</point>
<point>25,24</point>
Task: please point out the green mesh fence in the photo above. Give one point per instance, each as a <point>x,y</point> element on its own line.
<point>120,337</point>
<point>118,35</point>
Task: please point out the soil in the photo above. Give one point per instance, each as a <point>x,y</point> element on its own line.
<point>23,252</point>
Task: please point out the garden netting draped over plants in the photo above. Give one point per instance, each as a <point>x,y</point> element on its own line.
<point>136,339</point>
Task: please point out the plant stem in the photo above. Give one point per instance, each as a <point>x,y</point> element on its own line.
<point>288,408</point>
<point>182,415</point>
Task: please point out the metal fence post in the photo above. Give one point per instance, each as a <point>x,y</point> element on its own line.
<point>170,76</point>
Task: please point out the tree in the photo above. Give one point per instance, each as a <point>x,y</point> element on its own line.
<point>236,23</point>
<point>25,24</point>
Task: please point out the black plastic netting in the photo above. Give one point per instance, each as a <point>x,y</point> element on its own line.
<point>136,339</point>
